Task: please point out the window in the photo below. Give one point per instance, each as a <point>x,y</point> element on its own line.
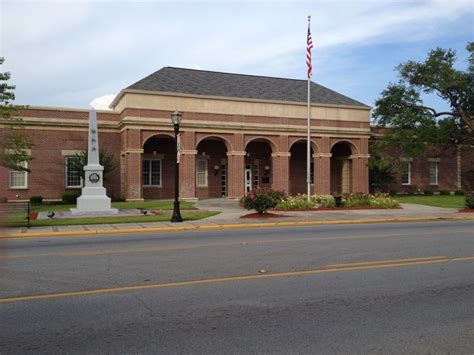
<point>406,173</point>
<point>72,172</point>
<point>434,173</point>
<point>19,179</point>
<point>201,173</point>
<point>152,172</point>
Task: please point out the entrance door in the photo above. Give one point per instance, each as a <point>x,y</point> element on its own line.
<point>248,178</point>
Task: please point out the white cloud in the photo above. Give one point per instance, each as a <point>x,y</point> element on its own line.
<point>103,102</point>
<point>70,51</point>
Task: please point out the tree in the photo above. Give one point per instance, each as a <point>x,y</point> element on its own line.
<point>381,171</point>
<point>106,159</point>
<point>13,145</point>
<point>413,126</point>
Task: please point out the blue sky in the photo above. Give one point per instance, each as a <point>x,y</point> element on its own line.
<point>67,53</point>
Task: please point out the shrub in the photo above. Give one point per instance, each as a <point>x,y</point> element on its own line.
<point>300,202</point>
<point>469,204</point>
<point>69,198</point>
<point>392,193</point>
<point>277,195</point>
<point>378,200</point>
<point>459,193</point>
<point>117,199</point>
<point>260,200</point>
<point>382,201</point>
<point>324,201</point>
<point>428,192</point>
<point>356,200</point>
<point>444,192</point>
<point>37,200</point>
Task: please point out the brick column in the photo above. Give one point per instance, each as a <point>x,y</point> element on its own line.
<point>133,174</point>
<point>235,174</point>
<point>355,178</point>
<point>281,171</point>
<point>132,159</point>
<point>363,162</point>
<point>187,175</point>
<point>322,173</point>
<point>360,173</point>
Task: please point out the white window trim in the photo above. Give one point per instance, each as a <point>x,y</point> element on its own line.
<point>10,171</point>
<point>205,171</point>
<point>437,173</point>
<point>409,173</point>
<point>161,173</point>
<point>66,158</point>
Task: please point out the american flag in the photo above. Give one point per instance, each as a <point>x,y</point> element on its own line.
<point>308,53</point>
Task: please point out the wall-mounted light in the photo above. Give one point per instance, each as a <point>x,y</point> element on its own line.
<point>216,169</point>
<point>247,154</point>
<point>267,169</point>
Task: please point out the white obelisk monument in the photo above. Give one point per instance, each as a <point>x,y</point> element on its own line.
<point>93,198</point>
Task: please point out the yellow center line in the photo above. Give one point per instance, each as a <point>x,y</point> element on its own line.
<point>388,261</point>
<point>206,245</point>
<point>434,260</point>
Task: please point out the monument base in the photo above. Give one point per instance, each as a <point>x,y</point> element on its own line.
<point>94,201</point>
<point>92,213</point>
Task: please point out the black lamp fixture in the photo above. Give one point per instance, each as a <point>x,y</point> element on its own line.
<point>216,169</point>
<point>267,169</point>
<point>176,120</point>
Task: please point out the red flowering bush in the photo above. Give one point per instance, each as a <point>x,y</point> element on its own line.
<point>262,199</point>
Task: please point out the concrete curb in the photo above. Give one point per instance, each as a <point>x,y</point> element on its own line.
<point>231,226</point>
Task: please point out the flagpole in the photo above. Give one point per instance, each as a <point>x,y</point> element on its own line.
<point>308,146</point>
<point>308,139</point>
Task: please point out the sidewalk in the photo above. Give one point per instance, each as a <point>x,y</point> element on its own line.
<point>229,218</point>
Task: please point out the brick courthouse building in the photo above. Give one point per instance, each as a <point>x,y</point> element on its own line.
<point>237,132</point>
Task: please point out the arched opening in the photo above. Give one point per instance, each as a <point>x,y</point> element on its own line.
<point>298,168</point>
<point>258,170</point>
<point>158,162</point>
<point>211,168</point>
<point>341,168</point>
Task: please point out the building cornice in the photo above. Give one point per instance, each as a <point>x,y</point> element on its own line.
<point>228,98</point>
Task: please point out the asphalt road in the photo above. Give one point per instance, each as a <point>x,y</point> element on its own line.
<point>380,288</point>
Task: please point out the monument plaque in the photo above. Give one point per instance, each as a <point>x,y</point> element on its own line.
<point>93,199</point>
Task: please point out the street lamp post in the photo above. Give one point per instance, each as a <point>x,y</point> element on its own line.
<point>176,120</point>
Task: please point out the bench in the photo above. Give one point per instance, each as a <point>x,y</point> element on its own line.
<point>16,208</point>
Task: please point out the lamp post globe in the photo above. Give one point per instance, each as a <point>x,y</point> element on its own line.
<point>176,120</point>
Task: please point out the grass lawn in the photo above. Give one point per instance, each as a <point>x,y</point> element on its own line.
<point>19,221</point>
<point>150,205</point>
<point>159,205</point>
<point>448,201</point>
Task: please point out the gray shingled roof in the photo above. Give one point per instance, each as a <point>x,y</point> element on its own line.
<point>201,82</point>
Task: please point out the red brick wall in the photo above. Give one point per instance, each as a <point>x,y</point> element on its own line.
<point>420,173</point>
<point>47,177</point>
<point>47,168</point>
<point>468,169</point>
